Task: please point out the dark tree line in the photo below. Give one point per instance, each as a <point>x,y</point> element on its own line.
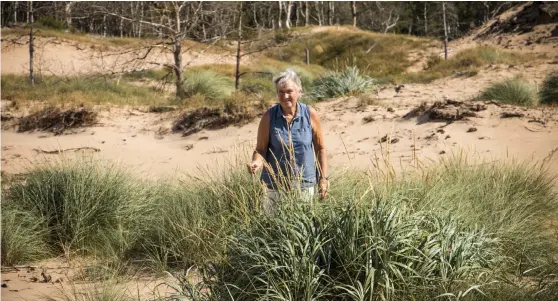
<point>210,20</point>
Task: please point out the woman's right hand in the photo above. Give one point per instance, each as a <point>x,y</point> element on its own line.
<point>254,166</point>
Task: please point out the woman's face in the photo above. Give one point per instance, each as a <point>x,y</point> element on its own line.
<point>288,94</point>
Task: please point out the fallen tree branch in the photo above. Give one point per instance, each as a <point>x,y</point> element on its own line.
<point>75,149</point>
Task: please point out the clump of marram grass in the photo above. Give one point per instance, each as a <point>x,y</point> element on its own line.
<point>511,91</point>
<point>549,90</point>
<point>212,85</point>
<point>194,219</point>
<point>106,290</point>
<point>85,206</point>
<point>357,251</point>
<point>23,237</point>
<point>448,232</point>
<point>513,200</point>
<point>349,82</point>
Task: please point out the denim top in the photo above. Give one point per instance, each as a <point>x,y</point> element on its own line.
<point>286,170</point>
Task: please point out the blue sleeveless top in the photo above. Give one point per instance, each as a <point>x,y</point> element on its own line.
<point>290,154</point>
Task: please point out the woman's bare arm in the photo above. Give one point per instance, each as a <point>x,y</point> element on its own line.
<point>259,154</point>
<point>319,142</point>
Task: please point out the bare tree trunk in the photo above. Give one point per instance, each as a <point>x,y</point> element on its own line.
<point>307,16</point>
<point>445,31</point>
<point>161,21</point>
<point>16,4</point>
<point>425,19</point>
<point>317,7</point>
<point>239,40</point>
<point>31,44</point>
<point>280,14</point>
<point>486,11</point>
<point>298,11</point>
<point>322,12</point>
<point>354,11</point>
<point>68,12</point>
<point>141,20</point>
<point>121,27</point>
<point>255,14</point>
<point>204,32</point>
<point>288,14</point>
<point>330,12</point>
<point>177,53</point>
<point>104,26</point>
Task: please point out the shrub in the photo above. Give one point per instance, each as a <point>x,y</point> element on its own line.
<point>50,22</point>
<point>549,91</point>
<point>212,85</point>
<point>511,91</point>
<point>349,82</point>
<point>23,237</point>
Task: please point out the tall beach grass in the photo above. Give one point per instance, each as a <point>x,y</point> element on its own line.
<point>451,231</point>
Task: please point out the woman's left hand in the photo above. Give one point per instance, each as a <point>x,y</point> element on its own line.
<point>323,187</point>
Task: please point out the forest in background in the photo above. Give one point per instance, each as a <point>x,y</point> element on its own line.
<point>206,21</point>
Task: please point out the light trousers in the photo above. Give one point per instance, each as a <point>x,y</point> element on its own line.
<point>272,200</point>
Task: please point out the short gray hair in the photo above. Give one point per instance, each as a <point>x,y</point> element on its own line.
<point>287,76</point>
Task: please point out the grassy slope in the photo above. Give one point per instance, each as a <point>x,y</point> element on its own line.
<point>385,57</point>
<point>377,55</point>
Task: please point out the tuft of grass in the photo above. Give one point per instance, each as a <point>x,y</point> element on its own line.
<point>511,91</point>
<point>78,90</point>
<point>210,84</point>
<point>258,85</point>
<point>107,290</point>
<point>349,82</point>
<point>85,206</point>
<point>513,200</point>
<point>371,251</point>
<point>549,91</point>
<point>193,220</point>
<point>23,237</point>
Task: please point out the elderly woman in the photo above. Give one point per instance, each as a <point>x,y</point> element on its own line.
<point>289,140</point>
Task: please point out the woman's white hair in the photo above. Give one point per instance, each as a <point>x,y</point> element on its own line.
<point>287,76</point>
